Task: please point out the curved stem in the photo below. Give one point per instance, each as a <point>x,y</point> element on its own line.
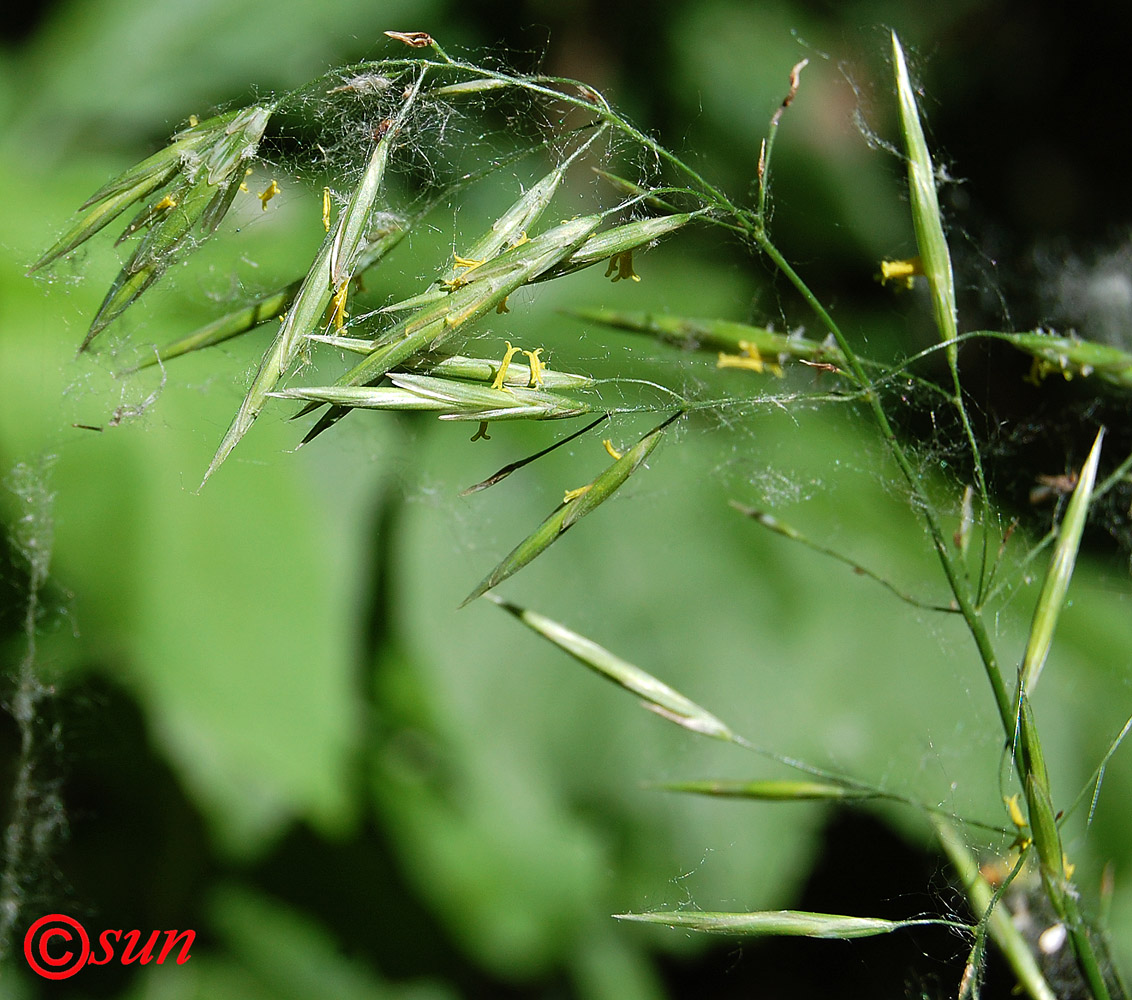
<point>955,581</point>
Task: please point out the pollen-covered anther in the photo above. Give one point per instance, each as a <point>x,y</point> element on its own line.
<point>1066,866</point>
<point>537,367</point>
<point>504,365</point>
<point>749,358</point>
<point>338,304</point>
<point>269,192</point>
<point>902,271</point>
<point>1014,810</point>
<point>466,264</point>
<point>1040,368</point>
<point>167,202</point>
<point>621,266</point>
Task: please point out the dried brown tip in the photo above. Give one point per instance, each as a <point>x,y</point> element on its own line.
<point>795,79</point>
<point>414,39</point>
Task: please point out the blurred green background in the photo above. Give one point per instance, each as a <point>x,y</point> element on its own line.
<point>271,724</point>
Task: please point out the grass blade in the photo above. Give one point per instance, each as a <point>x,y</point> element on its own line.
<point>99,215</point>
<point>232,324</point>
<point>455,400</point>
<point>655,695</point>
<point>713,334</point>
<point>156,251</point>
<point>934,254</point>
<point>266,307</point>
<point>778,923</point>
<point>770,791</point>
<point>619,240</point>
<point>1056,583</point>
<point>995,918</point>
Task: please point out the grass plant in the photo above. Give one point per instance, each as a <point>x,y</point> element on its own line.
<point>419,353</point>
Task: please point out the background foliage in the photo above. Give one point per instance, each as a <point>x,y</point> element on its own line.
<point>274,726</point>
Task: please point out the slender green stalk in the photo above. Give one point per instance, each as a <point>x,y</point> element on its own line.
<point>967,606</point>
<point>992,919</point>
<point>767,149</point>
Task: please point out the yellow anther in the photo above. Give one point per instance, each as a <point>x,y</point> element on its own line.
<point>167,202</point>
<point>750,358</point>
<point>613,452</point>
<point>537,368</point>
<point>1040,368</point>
<point>504,365</point>
<point>622,264</point>
<point>1066,866</point>
<point>194,121</point>
<point>523,238</point>
<point>502,307</point>
<point>1015,811</point>
<point>269,192</point>
<point>338,304</point>
<point>244,184</point>
<point>326,209</point>
<point>900,270</point>
<point>467,264</point>
<point>574,494</point>
<point>482,432</point>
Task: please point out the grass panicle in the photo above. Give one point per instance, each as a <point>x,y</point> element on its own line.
<point>413,355</point>
<point>141,180</point>
<point>330,274</point>
<point>509,230</point>
<point>209,168</point>
<point>428,328</point>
